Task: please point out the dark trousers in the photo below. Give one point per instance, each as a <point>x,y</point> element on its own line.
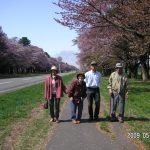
<point>117,99</point>
<point>54,107</point>
<point>93,94</point>
<point>74,107</point>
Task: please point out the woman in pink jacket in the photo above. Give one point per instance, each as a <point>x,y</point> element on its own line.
<point>54,89</point>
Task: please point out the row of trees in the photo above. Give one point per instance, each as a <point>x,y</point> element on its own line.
<point>110,31</point>
<point>19,56</point>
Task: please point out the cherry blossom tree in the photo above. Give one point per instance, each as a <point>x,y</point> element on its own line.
<point>129,19</point>
<point>17,58</point>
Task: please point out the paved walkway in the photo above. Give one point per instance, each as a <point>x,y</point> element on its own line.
<point>85,136</point>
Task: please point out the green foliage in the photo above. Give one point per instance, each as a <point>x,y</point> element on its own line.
<point>25,41</point>
<point>18,105</point>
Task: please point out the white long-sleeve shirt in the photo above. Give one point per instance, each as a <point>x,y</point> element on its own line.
<point>92,79</point>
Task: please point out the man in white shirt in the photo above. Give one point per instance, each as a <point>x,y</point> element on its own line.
<point>92,79</point>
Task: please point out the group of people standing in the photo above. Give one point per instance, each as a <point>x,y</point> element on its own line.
<point>86,85</point>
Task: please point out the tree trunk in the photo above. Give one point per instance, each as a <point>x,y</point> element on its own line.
<point>144,67</point>
<point>126,69</point>
<point>144,71</point>
<point>133,71</point>
<point>148,65</point>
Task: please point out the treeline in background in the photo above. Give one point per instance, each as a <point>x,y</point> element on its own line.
<point>18,56</point>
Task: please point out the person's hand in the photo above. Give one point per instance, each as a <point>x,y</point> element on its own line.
<point>71,98</point>
<point>110,92</point>
<point>66,91</point>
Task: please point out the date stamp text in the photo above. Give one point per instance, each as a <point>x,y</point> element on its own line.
<point>138,135</point>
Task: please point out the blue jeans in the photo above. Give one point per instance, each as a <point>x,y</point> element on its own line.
<point>115,100</point>
<point>73,107</point>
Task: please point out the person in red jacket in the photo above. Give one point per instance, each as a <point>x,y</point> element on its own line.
<point>54,89</point>
<point>77,93</point>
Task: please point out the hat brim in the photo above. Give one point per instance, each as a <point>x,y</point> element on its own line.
<point>94,64</point>
<point>54,70</point>
<point>119,67</point>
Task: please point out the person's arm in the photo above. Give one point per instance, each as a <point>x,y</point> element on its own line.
<point>126,89</point>
<point>110,85</point>
<point>71,90</point>
<point>64,88</point>
<point>45,90</point>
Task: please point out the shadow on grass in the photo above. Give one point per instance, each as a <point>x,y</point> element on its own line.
<point>137,119</point>
<point>142,119</point>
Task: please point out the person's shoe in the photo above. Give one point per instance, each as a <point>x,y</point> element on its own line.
<point>52,120</point>
<point>78,122</point>
<point>120,119</point>
<point>113,118</point>
<point>96,118</point>
<point>74,121</point>
<point>90,119</point>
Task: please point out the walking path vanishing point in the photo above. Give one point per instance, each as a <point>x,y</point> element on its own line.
<point>86,136</point>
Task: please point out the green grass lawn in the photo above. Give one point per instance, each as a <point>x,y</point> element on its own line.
<point>137,110</point>
<point>17,107</point>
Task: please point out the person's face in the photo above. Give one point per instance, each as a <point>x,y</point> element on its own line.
<point>80,78</point>
<point>53,72</point>
<point>93,67</point>
<point>120,70</point>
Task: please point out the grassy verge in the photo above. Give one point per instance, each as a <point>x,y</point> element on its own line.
<point>105,125</point>
<point>137,111</point>
<point>17,107</point>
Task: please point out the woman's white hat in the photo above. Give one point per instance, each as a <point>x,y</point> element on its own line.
<point>54,68</point>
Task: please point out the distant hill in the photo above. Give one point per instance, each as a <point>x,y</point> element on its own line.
<point>68,57</point>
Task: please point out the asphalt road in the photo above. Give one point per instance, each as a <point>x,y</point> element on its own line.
<point>11,84</point>
<point>85,136</point>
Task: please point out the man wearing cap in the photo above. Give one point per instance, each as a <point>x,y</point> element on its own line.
<point>92,79</point>
<point>54,89</point>
<point>118,91</point>
<point>77,93</point>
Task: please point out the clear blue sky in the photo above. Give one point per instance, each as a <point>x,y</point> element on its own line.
<point>34,19</point>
